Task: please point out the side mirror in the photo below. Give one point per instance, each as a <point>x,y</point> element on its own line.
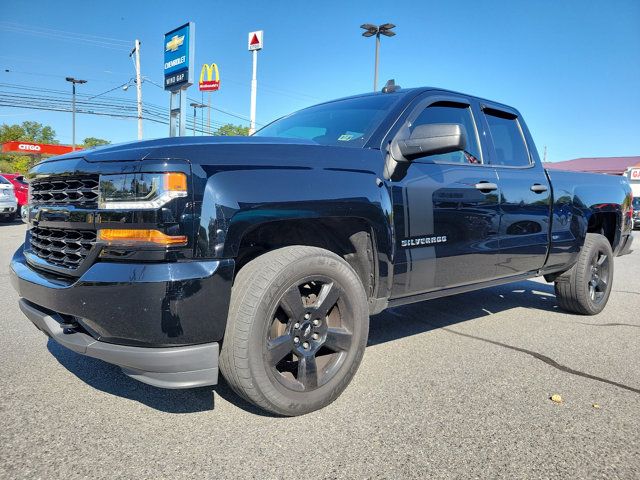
<point>431,139</point>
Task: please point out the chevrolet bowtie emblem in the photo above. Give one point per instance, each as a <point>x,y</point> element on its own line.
<point>175,42</point>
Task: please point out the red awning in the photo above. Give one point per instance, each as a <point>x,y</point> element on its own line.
<point>36,148</point>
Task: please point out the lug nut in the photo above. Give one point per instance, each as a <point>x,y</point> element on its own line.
<point>297,325</point>
<point>316,322</point>
<point>296,340</point>
<point>315,336</point>
<point>306,316</point>
<point>305,345</point>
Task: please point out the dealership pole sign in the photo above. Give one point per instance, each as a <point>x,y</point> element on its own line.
<point>178,74</point>
<point>178,57</point>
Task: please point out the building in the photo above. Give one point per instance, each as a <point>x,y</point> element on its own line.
<point>608,165</point>
<point>627,166</point>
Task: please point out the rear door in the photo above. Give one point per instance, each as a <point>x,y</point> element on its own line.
<point>446,208</point>
<point>525,192</point>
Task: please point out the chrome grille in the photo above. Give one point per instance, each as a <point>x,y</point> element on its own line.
<point>64,248</point>
<point>81,191</point>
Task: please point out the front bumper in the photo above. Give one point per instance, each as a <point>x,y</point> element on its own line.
<point>7,207</point>
<point>161,322</point>
<point>172,367</point>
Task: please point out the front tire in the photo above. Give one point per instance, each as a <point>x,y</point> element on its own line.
<point>297,330</point>
<point>585,288</point>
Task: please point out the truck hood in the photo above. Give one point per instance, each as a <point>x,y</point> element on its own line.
<point>236,151</point>
<point>160,146</point>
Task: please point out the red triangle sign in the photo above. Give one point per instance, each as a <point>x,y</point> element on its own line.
<point>254,40</point>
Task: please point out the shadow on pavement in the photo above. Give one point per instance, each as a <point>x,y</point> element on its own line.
<point>388,326</point>
<point>110,379</point>
<point>15,221</point>
<point>413,319</point>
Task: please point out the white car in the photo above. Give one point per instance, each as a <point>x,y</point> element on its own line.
<point>8,201</point>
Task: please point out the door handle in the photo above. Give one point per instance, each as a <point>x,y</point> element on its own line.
<point>486,187</point>
<point>537,188</point>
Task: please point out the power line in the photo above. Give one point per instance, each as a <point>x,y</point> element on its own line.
<point>66,32</point>
<point>157,114</point>
<point>64,36</point>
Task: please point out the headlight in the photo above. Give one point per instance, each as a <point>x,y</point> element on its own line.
<point>133,191</point>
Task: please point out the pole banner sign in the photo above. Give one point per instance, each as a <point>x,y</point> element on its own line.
<point>209,83</point>
<point>178,55</point>
<point>255,40</point>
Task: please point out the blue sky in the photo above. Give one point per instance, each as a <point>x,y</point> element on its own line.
<point>571,67</point>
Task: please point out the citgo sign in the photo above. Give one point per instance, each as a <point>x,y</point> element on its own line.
<point>36,148</point>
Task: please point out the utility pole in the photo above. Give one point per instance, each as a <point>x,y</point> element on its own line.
<point>73,107</point>
<point>371,30</point>
<point>136,49</point>
<point>255,44</point>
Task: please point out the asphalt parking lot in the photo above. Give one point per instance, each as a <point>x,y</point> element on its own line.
<point>453,388</point>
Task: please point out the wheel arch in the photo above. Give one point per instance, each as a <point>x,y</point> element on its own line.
<point>352,238</point>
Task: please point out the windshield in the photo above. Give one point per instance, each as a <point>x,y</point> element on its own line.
<point>347,122</point>
<point>636,203</point>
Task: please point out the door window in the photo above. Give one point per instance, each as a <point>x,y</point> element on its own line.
<point>508,141</point>
<point>450,112</point>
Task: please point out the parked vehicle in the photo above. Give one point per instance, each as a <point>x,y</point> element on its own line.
<point>8,202</point>
<point>21,190</point>
<point>636,212</point>
<point>265,255</point>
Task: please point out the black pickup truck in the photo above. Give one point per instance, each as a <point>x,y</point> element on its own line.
<point>265,256</point>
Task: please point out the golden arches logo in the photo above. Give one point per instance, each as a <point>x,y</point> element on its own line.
<point>211,83</point>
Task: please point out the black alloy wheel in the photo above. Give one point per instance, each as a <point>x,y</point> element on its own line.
<point>599,282</point>
<point>310,334</point>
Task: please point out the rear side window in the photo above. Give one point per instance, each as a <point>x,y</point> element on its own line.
<point>508,140</point>
<point>4,180</point>
<point>449,112</point>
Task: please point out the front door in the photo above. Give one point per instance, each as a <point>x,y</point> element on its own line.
<point>446,210</point>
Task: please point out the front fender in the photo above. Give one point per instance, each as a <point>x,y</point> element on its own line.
<point>237,200</point>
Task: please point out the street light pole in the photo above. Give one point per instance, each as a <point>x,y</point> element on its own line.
<point>195,105</point>
<point>385,29</point>
<point>73,107</point>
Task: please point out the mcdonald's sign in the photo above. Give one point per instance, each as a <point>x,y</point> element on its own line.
<point>211,84</point>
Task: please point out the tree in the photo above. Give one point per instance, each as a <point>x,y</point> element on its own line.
<point>92,142</point>
<point>232,130</point>
<point>27,132</point>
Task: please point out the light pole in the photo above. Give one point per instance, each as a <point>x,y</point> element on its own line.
<point>385,29</point>
<point>195,105</point>
<point>73,107</point>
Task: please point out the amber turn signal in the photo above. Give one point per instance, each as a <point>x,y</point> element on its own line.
<point>176,182</point>
<point>116,236</point>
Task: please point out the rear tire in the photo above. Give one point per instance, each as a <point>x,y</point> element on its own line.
<point>297,330</point>
<point>585,288</point>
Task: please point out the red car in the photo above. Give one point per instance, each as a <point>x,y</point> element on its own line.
<point>20,188</point>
